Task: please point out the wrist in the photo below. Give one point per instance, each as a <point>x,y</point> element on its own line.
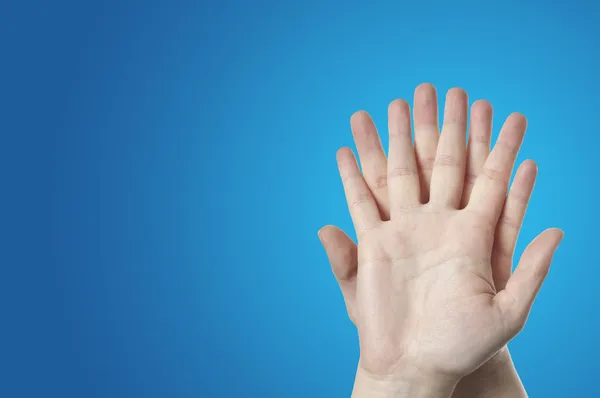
<point>408,382</point>
<point>497,378</point>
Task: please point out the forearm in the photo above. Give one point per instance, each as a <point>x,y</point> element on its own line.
<point>497,378</point>
<point>411,384</point>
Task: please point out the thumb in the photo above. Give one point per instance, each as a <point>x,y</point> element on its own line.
<point>516,300</point>
<point>342,254</point>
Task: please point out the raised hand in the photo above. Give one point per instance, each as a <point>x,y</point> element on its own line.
<point>429,282</point>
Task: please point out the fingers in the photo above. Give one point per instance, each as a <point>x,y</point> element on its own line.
<point>361,203</point>
<point>515,301</point>
<point>449,166</point>
<point>478,149</point>
<point>403,177</point>
<point>342,254</point>
<point>489,192</point>
<point>509,224</point>
<point>427,134</point>
<point>372,158</point>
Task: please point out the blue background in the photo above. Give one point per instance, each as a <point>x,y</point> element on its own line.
<point>166,166</point>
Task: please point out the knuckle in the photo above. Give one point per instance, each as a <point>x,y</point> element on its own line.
<point>360,199</point>
<point>481,139</point>
<point>426,163</point>
<point>470,178</point>
<point>493,174</point>
<point>380,182</point>
<point>518,323</point>
<point>510,221</point>
<point>365,232</point>
<point>401,208</point>
<point>507,147</point>
<point>540,273</point>
<point>350,178</point>
<point>447,161</point>
<point>399,134</point>
<point>519,196</point>
<point>401,172</point>
<point>458,120</point>
<point>513,318</point>
<point>502,253</point>
<point>429,104</point>
<point>348,256</point>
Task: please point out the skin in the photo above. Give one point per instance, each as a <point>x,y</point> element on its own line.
<point>429,285</point>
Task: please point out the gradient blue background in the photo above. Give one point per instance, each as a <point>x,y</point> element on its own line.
<point>166,167</point>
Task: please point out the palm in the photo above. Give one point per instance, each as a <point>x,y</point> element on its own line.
<point>439,286</point>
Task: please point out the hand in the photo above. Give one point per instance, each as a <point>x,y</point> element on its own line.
<point>404,258</point>
<point>497,376</point>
